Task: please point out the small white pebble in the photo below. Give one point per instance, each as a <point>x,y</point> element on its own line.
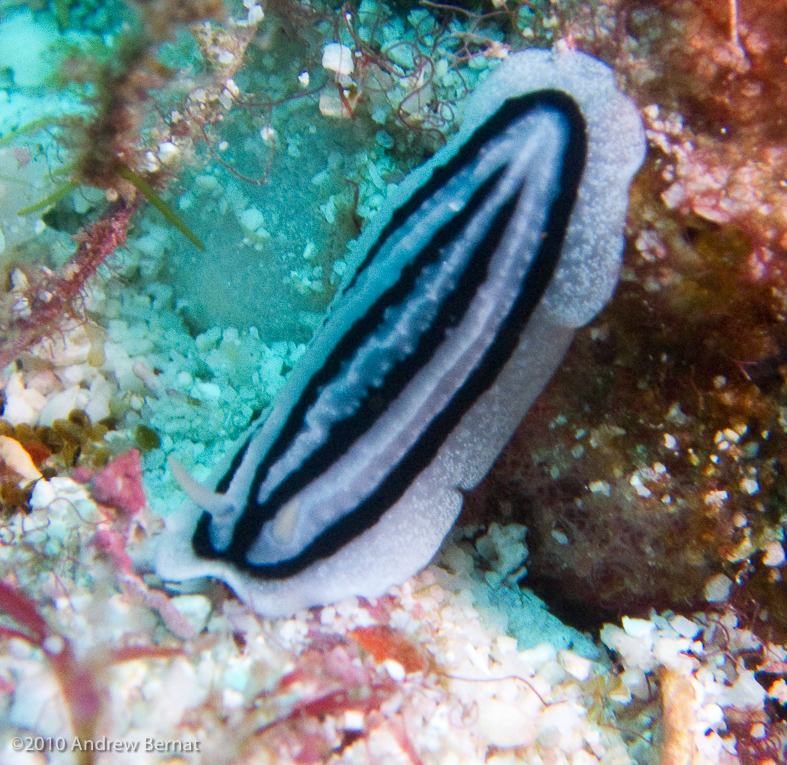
<point>716,498</point>
<point>750,486</point>
<point>670,441</point>
<point>207,182</point>
<point>552,673</point>
<point>43,495</point>
<point>600,487</point>
<point>232,699</point>
<point>303,79</point>
<point>676,415</point>
<point>290,628</point>
<point>559,537</point>
<point>712,713</point>
<point>778,691</point>
<point>394,669</point>
<point>774,554</point>
<point>640,487</point>
<point>151,162</point>
<point>332,105</point>
<point>637,628</point>
<point>338,58</point>
<point>746,692</point>
<point>636,681</point>
<point>309,251</point>
<point>251,219</point>
<point>353,720</point>
<point>349,607</point>
<point>577,666</point>
<point>327,615</point>
<point>195,609</point>
<point>53,645</point>
<point>167,150</point>
<point>717,588</point>
<point>16,458</point>
<point>758,731</point>
<point>684,627</point>
<point>255,14</point>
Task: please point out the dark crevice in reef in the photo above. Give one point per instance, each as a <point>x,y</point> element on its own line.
<point>576,613</point>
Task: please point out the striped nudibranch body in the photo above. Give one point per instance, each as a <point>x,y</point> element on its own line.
<point>470,285</point>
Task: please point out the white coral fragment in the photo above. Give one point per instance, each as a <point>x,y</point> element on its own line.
<point>338,58</point>
<point>717,588</point>
<point>13,454</point>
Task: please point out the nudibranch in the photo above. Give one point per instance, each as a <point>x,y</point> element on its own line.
<point>470,284</point>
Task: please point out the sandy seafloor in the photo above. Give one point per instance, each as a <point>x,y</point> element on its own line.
<point>97,655</point>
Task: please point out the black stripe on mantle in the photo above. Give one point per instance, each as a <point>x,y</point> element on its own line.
<point>401,476</point>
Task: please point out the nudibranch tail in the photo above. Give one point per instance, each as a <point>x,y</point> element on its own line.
<point>470,285</point>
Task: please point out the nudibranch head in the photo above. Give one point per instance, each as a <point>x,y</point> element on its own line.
<point>467,291</point>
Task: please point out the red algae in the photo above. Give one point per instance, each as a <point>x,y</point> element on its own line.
<point>655,462</point>
<point>48,301</point>
<point>386,643</point>
<point>119,484</point>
